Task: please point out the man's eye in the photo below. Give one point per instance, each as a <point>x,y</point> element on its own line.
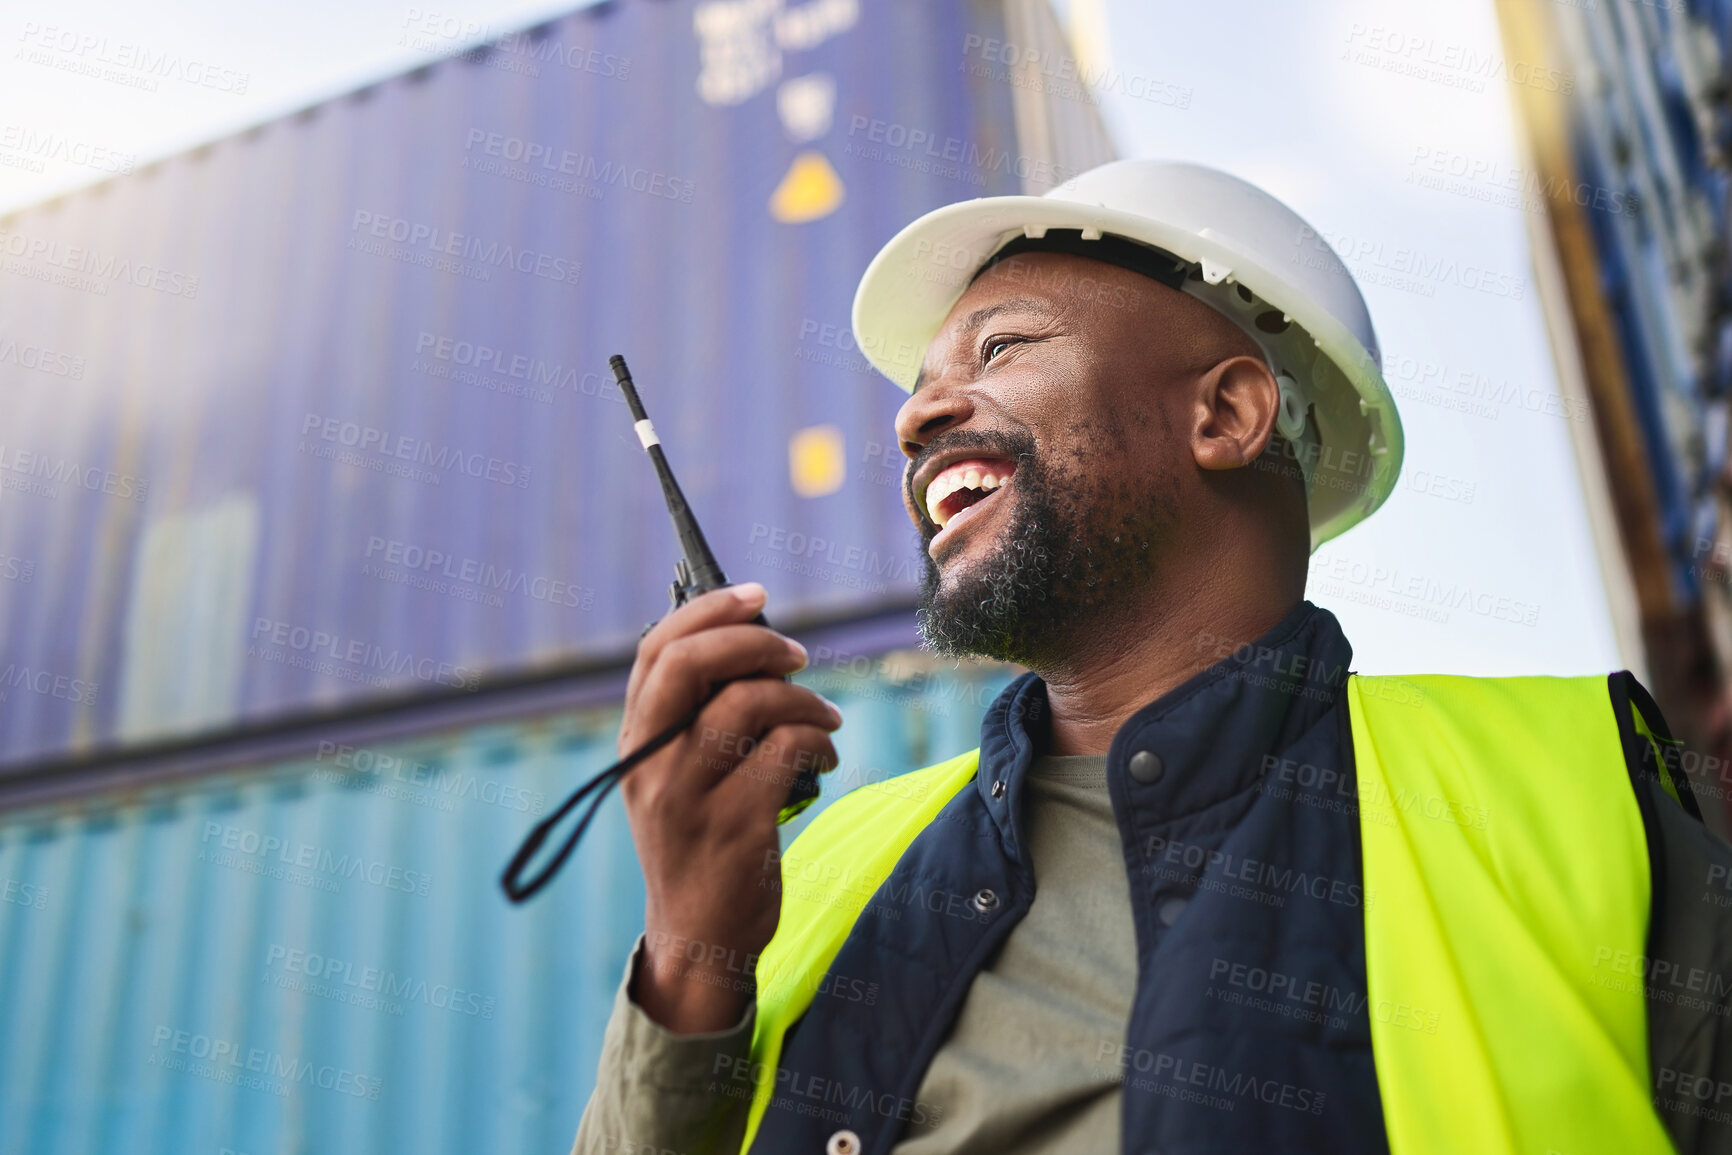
<point>994,345</point>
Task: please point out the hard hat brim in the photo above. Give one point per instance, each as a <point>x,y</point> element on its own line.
<point>911,285</point>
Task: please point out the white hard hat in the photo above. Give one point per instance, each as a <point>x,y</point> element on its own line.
<point>1237,248</point>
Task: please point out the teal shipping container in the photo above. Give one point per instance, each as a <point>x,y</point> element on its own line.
<point>312,956</point>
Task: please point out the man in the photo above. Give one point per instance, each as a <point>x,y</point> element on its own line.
<point>1199,890</point>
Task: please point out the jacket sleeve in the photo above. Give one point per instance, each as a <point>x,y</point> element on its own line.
<point>1687,974</point>
<point>659,1092</point>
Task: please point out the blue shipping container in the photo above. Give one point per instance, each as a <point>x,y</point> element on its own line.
<point>313,957</point>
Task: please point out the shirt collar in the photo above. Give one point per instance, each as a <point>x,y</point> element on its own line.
<point>1212,734</point>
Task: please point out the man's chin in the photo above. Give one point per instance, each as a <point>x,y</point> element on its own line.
<point>972,608</point>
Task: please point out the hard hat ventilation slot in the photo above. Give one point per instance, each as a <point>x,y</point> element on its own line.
<point>1245,294</point>
<point>1272,322</point>
<point>1290,418</point>
<point>1147,260</point>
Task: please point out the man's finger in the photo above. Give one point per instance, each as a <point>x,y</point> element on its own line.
<point>689,666</point>
<point>732,727</point>
<point>760,783</point>
<point>730,604</point>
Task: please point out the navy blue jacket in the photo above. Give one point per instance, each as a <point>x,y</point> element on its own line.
<point>1242,846</point>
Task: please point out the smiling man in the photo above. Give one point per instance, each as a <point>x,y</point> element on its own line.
<point>1200,888</point>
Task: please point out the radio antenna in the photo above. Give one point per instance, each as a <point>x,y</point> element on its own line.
<point>698,573</point>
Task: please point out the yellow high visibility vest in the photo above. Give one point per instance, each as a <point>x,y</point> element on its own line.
<point>1499,928</point>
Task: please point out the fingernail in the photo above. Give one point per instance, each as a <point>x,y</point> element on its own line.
<point>749,592</point>
<point>834,708</point>
<point>799,650</point>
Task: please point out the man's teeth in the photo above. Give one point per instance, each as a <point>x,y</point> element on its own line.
<point>948,483</point>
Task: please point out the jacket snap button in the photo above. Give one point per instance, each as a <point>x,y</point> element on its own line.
<point>985,900</point>
<point>1172,909</point>
<point>843,1143</point>
<point>998,788</point>
<point>1146,767</point>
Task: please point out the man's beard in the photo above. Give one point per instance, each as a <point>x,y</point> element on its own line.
<point>1076,550</point>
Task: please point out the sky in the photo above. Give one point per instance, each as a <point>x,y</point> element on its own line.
<point>1358,114</point>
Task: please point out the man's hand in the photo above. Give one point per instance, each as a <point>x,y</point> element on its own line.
<point>703,808</point>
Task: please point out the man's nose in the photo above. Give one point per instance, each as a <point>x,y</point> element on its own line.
<point>929,412</point>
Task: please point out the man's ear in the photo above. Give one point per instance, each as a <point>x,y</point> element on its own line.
<point>1235,413</point>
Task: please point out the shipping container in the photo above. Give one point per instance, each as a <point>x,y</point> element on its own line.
<point>1628,134</point>
<point>319,415</point>
<point>313,957</point>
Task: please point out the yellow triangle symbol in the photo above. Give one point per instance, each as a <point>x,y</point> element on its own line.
<point>810,190</point>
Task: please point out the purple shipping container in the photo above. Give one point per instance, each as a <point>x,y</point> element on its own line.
<point>319,415</point>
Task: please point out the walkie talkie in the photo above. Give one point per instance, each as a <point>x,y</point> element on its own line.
<point>695,573</point>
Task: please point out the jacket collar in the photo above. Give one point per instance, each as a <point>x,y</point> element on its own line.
<point>1213,734</point>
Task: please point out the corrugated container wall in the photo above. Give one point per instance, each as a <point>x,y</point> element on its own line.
<point>321,412</point>
<point>313,957</point>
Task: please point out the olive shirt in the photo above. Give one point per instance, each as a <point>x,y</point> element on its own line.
<point>1031,1064</point>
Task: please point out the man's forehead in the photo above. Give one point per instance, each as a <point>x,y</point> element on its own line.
<point>1036,283</point>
